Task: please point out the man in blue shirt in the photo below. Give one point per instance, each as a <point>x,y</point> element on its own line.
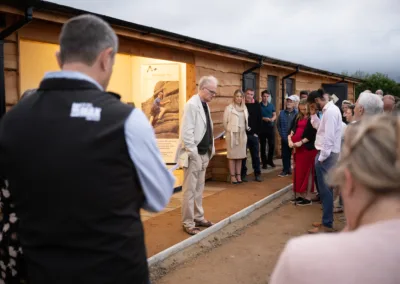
<point>267,130</point>
<point>284,124</point>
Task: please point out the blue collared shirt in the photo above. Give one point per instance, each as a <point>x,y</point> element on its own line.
<point>156,181</point>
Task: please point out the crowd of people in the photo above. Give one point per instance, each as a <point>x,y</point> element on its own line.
<point>77,165</point>
<point>367,175</point>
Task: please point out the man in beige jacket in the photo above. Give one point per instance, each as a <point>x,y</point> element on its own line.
<point>194,153</point>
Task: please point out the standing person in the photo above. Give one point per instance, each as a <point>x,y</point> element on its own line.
<point>367,104</point>
<point>267,132</point>
<point>91,164</point>
<point>235,125</point>
<point>284,124</point>
<point>367,250</point>
<point>303,95</point>
<point>379,93</point>
<point>328,142</point>
<point>349,115</point>
<point>302,139</point>
<point>345,105</point>
<point>255,118</point>
<point>388,103</point>
<point>195,151</point>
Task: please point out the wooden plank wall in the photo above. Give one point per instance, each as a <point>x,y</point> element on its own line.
<point>11,65</point>
<point>229,75</point>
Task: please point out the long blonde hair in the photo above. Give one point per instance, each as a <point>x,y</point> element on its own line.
<point>300,115</point>
<point>242,104</point>
<point>371,152</point>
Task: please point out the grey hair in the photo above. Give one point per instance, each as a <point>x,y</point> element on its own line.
<point>206,80</point>
<point>84,37</point>
<point>379,92</point>
<point>371,103</point>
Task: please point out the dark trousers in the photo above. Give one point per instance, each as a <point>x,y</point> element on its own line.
<point>286,157</point>
<point>267,137</point>
<point>253,146</point>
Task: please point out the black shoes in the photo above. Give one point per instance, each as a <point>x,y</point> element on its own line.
<point>300,201</point>
<point>283,174</point>
<point>264,167</point>
<point>304,202</point>
<point>295,200</point>
<point>271,164</point>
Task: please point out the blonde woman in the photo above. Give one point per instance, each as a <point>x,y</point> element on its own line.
<point>302,139</point>
<point>367,251</point>
<point>235,124</point>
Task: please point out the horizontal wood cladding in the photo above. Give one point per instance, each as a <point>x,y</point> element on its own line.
<point>219,104</point>
<point>49,32</point>
<point>224,79</point>
<point>11,82</point>
<point>11,76</point>
<point>11,55</point>
<point>140,48</point>
<point>217,116</point>
<point>41,31</point>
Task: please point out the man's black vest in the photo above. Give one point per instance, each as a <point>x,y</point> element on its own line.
<point>75,188</point>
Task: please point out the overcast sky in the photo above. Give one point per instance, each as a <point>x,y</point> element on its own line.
<point>341,35</point>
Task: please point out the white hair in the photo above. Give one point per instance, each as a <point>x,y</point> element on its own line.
<point>379,92</point>
<point>371,103</point>
<point>207,80</point>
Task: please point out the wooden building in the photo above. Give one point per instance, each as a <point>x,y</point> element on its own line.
<point>29,38</point>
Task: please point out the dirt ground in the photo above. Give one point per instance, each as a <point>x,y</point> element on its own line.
<point>251,254</point>
<point>165,230</point>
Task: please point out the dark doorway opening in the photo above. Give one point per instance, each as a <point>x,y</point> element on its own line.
<point>272,88</point>
<point>249,81</point>
<point>289,86</point>
<point>339,89</point>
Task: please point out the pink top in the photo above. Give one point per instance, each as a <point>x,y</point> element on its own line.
<point>369,255</point>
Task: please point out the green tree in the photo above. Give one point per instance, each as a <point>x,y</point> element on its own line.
<point>374,82</point>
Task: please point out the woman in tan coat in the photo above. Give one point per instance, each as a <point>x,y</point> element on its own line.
<point>235,124</point>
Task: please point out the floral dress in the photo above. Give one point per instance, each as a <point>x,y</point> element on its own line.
<point>12,264</point>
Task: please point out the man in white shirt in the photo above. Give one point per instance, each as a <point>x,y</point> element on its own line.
<point>328,142</point>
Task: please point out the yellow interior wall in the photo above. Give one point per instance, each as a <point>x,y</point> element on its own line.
<point>121,79</point>
<point>36,59</point>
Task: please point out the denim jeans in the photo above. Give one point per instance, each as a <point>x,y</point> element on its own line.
<point>286,157</point>
<point>325,192</point>
<point>254,147</point>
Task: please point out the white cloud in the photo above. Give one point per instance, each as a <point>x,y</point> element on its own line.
<point>333,35</point>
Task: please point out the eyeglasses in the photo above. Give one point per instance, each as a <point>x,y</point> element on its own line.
<point>211,92</point>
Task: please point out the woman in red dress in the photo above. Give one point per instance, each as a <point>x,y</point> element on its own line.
<point>302,139</point>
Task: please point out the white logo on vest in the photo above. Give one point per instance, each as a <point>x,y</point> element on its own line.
<point>86,110</point>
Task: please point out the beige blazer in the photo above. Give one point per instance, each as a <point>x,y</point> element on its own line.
<point>193,128</point>
<point>231,119</point>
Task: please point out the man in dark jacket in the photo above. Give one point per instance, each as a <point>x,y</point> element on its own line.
<point>284,124</point>
<point>80,166</point>
<point>253,143</point>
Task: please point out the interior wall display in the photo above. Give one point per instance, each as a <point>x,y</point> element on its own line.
<point>161,106</point>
